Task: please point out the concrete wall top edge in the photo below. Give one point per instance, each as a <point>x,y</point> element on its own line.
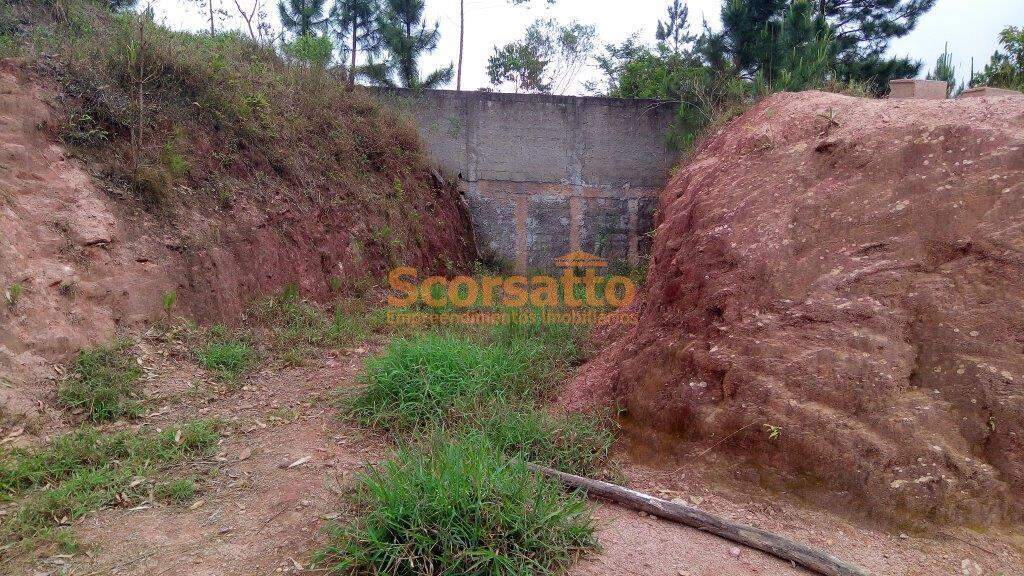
<point>524,97</point>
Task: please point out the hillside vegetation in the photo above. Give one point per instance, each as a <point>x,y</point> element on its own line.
<point>233,170</point>
<point>220,137</point>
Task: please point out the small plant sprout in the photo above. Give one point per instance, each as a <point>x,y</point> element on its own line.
<point>13,294</point>
<point>168,301</point>
<point>992,423</point>
<point>773,431</point>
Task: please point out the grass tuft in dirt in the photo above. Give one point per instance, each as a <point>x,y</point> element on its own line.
<point>176,491</point>
<point>86,470</point>
<point>463,501</point>
<point>103,382</point>
<point>573,443</point>
<point>227,355</point>
<point>431,378</point>
<point>297,326</point>
<point>452,507</point>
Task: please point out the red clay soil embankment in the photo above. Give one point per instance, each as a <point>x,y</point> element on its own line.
<point>838,283</point>
<point>87,261</point>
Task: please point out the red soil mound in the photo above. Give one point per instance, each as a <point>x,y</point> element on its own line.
<point>88,261</point>
<point>842,281</point>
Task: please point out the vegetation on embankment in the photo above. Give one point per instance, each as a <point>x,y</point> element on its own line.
<point>465,405</point>
<point>258,168</point>
<point>46,487</point>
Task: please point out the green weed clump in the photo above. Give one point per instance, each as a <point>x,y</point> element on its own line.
<point>431,378</point>
<point>454,508</point>
<point>103,382</point>
<point>87,470</point>
<point>573,443</point>
<point>226,355</point>
<point>297,327</point>
<point>176,491</point>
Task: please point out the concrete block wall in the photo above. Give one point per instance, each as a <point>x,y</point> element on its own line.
<point>545,175</point>
<point>918,89</point>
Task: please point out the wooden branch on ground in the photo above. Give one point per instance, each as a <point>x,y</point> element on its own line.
<point>816,560</point>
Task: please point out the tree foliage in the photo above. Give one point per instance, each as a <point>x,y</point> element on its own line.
<point>310,49</point>
<point>1006,68</point>
<point>406,36</point>
<point>945,71</point>
<point>764,46</point>
<point>303,17</point>
<point>547,59</point>
<point>355,27</point>
<point>860,30</point>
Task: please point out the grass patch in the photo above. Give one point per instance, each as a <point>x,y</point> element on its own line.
<point>297,326</point>
<point>431,377</point>
<point>103,382</point>
<point>463,501</point>
<point>87,470</point>
<point>575,443</point>
<point>453,508</point>
<point>226,355</point>
<point>176,491</point>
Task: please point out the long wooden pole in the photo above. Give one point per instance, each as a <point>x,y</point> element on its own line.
<point>462,32</point>
<point>810,558</point>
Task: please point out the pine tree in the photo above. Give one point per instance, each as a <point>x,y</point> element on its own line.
<point>863,29</point>
<point>356,27</point>
<point>743,29</point>
<point>303,17</point>
<point>1006,68</point>
<point>861,32</point>
<point>406,36</point>
<point>945,71</point>
<point>672,34</point>
<point>804,50</point>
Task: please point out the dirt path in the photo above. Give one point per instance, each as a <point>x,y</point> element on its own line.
<point>646,546</point>
<point>286,462</point>
<point>279,476</point>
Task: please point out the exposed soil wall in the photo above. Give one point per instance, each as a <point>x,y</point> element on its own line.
<point>836,295</point>
<point>90,259</point>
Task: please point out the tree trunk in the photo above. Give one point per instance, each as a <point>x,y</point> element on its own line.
<point>212,31</point>
<point>462,30</point>
<point>352,68</point>
<point>777,546</point>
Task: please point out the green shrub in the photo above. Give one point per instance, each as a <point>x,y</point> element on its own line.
<point>85,470</point>
<point>103,382</point>
<point>455,508</point>
<point>13,294</point>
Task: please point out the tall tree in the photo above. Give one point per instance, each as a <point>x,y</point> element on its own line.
<point>673,34</point>
<point>406,37</point>
<point>303,17</point>
<point>462,37</point>
<point>547,59</point>
<point>945,71</point>
<point>861,29</point>
<point>356,27</point>
<point>212,12</point>
<point>1006,68</point>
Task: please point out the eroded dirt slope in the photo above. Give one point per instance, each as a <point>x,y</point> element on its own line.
<point>836,297</point>
<point>88,259</point>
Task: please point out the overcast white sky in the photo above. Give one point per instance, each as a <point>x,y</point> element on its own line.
<point>970,26</point>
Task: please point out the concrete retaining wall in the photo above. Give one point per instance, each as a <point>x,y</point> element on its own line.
<point>544,175</point>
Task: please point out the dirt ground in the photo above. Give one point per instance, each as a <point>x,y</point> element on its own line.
<point>287,461</point>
